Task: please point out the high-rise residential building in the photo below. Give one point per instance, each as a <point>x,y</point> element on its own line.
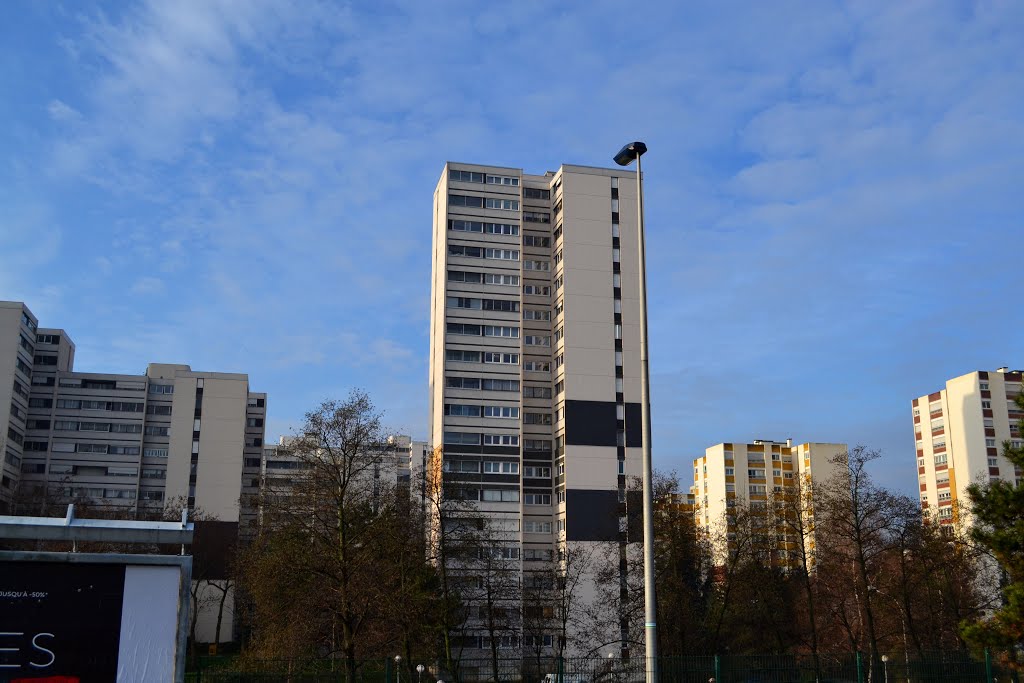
<point>535,356</point>
<point>755,475</point>
<point>959,433</point>
<point>124,442</point>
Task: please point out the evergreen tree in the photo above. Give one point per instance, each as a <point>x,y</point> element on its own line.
<point>997,512</point>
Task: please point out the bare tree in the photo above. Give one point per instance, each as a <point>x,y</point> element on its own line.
<point>327,523</point>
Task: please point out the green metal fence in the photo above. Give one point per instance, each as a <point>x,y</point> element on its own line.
<point>941,667</point>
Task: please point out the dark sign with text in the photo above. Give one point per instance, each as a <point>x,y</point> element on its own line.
<point>60,621</point>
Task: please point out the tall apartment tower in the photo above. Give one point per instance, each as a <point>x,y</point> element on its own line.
<point>751,474</point>
<point>535,353</point>
<point>959,433</point>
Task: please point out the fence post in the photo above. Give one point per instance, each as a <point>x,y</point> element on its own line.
<point>718,669</point>
<point>988,666</point>
<point>387,670</point>
<point>860,668</point>
<point>561,668</point>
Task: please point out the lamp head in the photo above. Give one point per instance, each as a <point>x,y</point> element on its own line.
<point>420,668</point>
<point>629,152</point>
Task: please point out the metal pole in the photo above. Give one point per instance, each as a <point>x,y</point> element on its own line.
<point>650,605</point>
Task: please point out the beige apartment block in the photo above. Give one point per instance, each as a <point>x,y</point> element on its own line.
<point>752,475</point>
<point>125,443</point>
<point>535,361</point>
<point>959,433</point>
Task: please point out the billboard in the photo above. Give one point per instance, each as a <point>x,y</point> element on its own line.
<point>85,622</point>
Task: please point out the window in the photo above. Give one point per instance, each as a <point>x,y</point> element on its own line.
<point>91,448</point>
<point>501,279</point>
<point>558,334</point>
<point>464,276</point>
<point>36,445</point>
<point>116,428</point>
<point>462,382</point>
<point>503,358</point>
<point>533,193</point>
<point>536,392</point>
<point>502,440</point>
<point>254,422</point>
<point>162,453</point>
<point>532,527</point>
<point>533,314</point>
<point>500,495</point>
<point>461,466</point>
<point>462,250</point>
<point>502,180</point>
<point>537,445</point>
<point>615,229</point>
<point>466,200</point>
<point>153,409</point>
<point>618,331</point>
<point>462,356</point>
<point>40,403</point>
<point>500,385</point>
<point>44,360</point>
<point>65,426</point>
<point>536,554</point>
<point>537,366</point>
<point>984,386</point>
<point>533,472</point>
<point>161,388</point>
<point>501,305</point>
<point>503,412</point>
<point>620,411</point>
<point>501,204</point>
<point>537,499</point>
<point>43,381</point>
<point>461,410</point>
<point>616,280</point>
<point>537,290</point>
<point>157,431</point>
<point>466,176</point>
<point>463,302</point>
<point>559,360</point>
<point>536,265</point>
<point>615,255</point>
<point>500,331</point>
<point>501,468</point>
<point>536,216</point>
<point>537,418</point>
<point>460,328</point>
<point>559,281</point>
<point>462,438</point>
<point>24,368</point>
<point>502,254</point>
<point>534,340</point>
<point>536,241</point>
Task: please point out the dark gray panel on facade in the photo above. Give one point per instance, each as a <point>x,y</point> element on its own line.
<point>590,423</point>
<point>634,432</point>
<point>635,516</point>
<point>591,515</point>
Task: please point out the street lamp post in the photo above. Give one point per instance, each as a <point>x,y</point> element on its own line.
<point>419,673</point>
<point>626,155</point>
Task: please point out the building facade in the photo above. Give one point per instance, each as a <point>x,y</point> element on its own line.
<point>959,432</point>
<point>535,356</point>
<point>127,444</point>
<point>756,475</point>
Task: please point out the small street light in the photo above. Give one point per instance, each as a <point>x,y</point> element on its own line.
<point>419,673</point>
<point>398,668</point>
<point>885,668</point>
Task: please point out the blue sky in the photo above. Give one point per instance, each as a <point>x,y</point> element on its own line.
<point>834,191</point>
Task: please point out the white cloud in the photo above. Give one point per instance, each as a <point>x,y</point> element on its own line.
<point>59,111</point>
<point>148,286</point>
